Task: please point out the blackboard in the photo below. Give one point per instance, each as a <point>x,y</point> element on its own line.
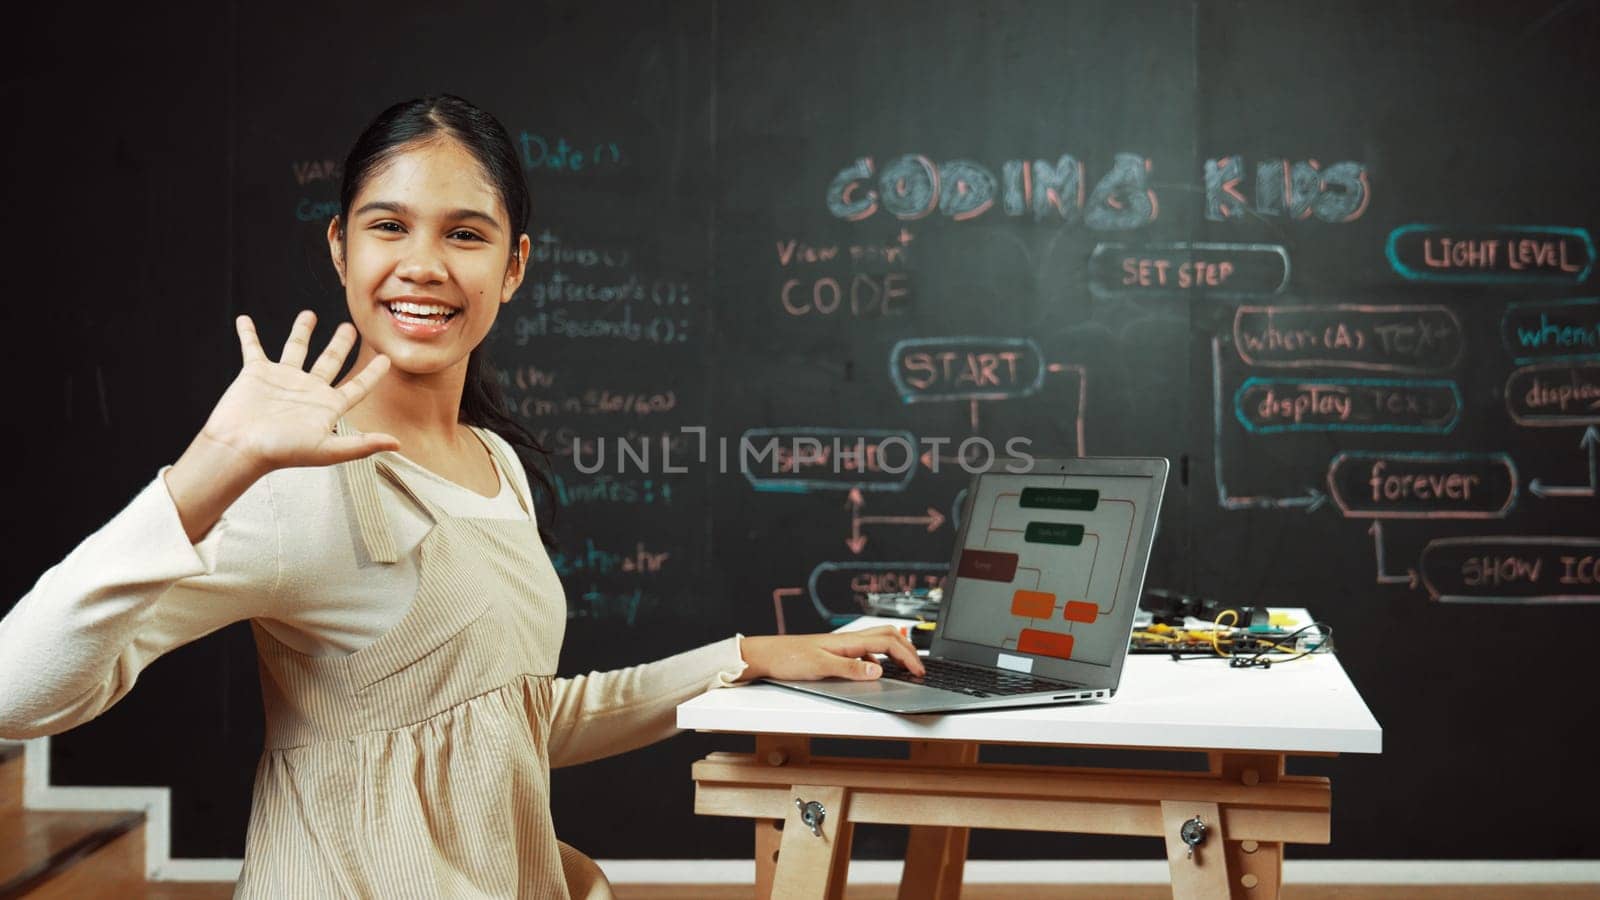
<point>1214,232</point>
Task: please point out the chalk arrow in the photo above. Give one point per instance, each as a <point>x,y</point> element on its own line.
<point>855,500</point>
<point>1409,579</point>
<point>933,520</point>
<point>778,597</point>
<point>856,543</point>
<point>1591,437</point>
<point>1310,501</point>
<point>928,458</point>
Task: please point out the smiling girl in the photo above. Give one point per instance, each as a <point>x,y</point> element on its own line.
<point>379,535</point>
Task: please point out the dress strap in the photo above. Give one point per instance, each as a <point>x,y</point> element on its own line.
<point>507,466</point>
<point>361,480</point>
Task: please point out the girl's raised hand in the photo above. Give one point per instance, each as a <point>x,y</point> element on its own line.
<point>276,415</point>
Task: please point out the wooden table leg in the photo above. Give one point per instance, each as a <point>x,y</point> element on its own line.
<point>841,862</point>
<point>774,750</point>
<point>769,837</point>
<point>812,866</point>
<point>936,858</point>
<point>1255,867</point>
<point>1203,876</point>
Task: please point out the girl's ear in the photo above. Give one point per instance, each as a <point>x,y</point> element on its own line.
<point>516,268</point>
<point>336,245</point>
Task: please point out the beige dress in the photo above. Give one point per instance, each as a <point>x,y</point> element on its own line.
<point>419,765</point>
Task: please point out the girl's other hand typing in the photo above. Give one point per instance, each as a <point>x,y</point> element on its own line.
<point>810,657</point>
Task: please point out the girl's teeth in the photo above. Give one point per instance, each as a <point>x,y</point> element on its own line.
<point>419,320</point>
<point>433,318</point>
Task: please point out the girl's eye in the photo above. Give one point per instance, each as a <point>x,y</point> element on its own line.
<point>396,228</point>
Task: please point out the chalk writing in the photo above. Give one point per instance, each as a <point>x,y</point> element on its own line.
<point>1182,268</point>
<point>1050,191</point>
<point>564,440</point>
<point>912,186</point>
<point>1295,190</point>
<point>548,248</point>
<point>557,323</point>
<point>595,560</point>
<point>1512,569</point>
<point>1270,406</point>
<point>1554,394</point>
<point>307,171</point>
<point>541,153</point>
<point>1379,485</point>
<point>309,210</point>
<point>596,402</point>
<point>607,490</point>
<point>1552,329</point>
<point>792,252</point>
<point>1493,254</point>
<point>860,295</point>
<point>1353,336</point>
<point>801,459</point>
<point>525,378</point>
<point>965,368</point>
<point>558,287</point>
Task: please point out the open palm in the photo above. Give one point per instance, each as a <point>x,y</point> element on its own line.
<point>279,416</point>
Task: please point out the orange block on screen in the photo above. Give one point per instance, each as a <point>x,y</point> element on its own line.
<point>1033,604</point>
<point>1081,611</point>
<point>1045,643</point>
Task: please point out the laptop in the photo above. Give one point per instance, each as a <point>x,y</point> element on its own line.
<point>1038,607</point>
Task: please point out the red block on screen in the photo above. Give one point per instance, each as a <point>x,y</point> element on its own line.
<point>1045,643</point>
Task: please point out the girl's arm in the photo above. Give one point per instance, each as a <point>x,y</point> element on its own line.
<point>605,713</point>
<point>195,550</point>
<point>132,591</point>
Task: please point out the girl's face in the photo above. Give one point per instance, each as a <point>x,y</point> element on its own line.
<point>425,258</point>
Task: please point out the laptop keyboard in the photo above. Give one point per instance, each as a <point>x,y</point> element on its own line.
<point>975,681</point>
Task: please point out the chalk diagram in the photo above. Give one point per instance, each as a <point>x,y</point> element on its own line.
<point>865,464</point>
<point>1402,361</point>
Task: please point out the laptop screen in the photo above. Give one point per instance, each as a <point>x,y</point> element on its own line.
<point>1043,566</point>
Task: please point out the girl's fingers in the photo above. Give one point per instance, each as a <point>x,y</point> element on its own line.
<point>904,653</point>
<point>853,669</point>
<point>343,447</point>
<point>332,359</point>
<point>888,639</point>
<point>876,640</point>
<point>299,342</point>
<point>355,390</point>
<point>249,344</point>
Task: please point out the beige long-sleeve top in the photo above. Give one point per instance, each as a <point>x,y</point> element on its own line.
<point>137,588</point>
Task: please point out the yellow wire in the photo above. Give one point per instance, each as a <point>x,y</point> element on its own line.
<point>1216,626</point>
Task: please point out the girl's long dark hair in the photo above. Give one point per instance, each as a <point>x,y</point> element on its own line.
<point>482,402</point>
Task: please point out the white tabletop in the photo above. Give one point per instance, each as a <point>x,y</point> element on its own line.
<point>1306,706</point>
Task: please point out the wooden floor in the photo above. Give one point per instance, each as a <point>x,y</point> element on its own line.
<point>1143,892</point>
<point>182,891</point>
